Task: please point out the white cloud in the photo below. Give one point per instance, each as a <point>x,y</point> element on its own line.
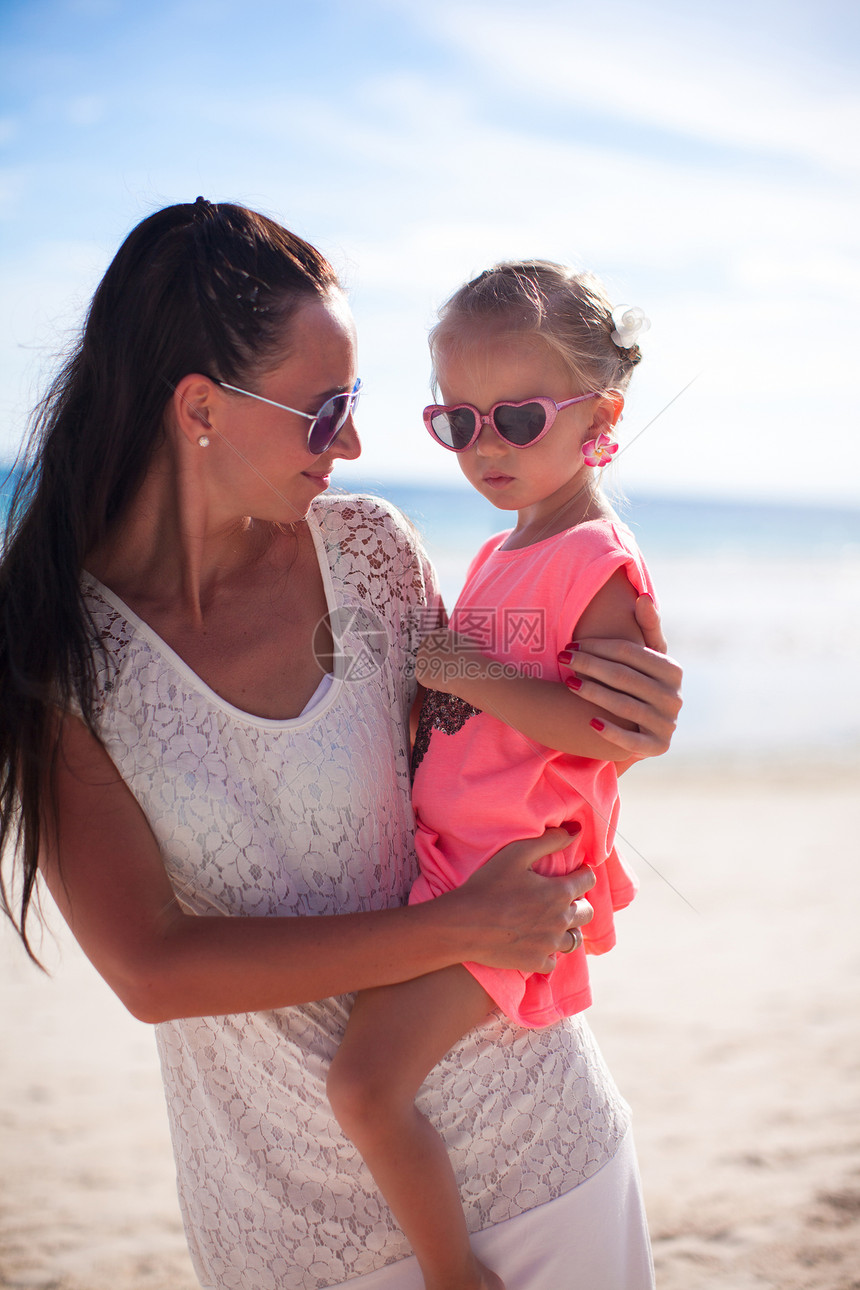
<point>47,293</point>
<point>86,109</point>
<point>744,254</point>
<point>94,8</point>
<point>698,78</point>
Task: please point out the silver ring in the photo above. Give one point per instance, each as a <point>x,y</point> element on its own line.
<point>575,940</point>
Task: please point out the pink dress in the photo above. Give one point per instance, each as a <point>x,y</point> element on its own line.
<point>478,783</point>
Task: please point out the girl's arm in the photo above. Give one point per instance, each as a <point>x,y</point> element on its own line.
<point>112,888</point>
<point>546,712</point>
<point>633,683</point>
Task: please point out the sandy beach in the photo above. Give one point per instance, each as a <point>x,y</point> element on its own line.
<point>729,1014</point>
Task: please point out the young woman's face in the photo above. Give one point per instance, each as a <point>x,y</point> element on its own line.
<point>267,465</point>
<point>544,475</point>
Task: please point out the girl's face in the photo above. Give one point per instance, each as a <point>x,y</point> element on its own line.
<point>541,478</point>
<point>266,467</point>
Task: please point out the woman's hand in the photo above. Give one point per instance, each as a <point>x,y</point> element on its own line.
<point>637,683</point>
<point>521,919</point>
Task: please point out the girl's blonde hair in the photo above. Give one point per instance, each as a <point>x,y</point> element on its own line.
<point>570,312</point>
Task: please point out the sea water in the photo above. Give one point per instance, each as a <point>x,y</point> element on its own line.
<point>760,603</point>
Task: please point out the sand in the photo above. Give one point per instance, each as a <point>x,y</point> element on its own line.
<point>732,1028</point>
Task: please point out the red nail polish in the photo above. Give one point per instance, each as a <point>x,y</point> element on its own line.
<point>565,656</point>
<point>598,725</point>
<point>573,682</point>
<point>573,645</point>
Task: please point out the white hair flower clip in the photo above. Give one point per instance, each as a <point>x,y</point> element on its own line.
<point>628,322</point>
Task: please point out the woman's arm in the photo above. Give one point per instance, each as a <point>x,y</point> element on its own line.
<point>112,888</point>
<point>546,712</point>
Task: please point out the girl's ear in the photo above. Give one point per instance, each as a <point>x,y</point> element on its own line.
<point>607,412</point>
<point>191,405</point>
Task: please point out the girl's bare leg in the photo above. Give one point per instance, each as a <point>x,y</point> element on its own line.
<point>395,1036</point>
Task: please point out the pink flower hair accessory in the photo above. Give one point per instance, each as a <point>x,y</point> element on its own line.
<point>599,451</point>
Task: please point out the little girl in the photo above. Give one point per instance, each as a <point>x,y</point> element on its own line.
<point>531,362</point>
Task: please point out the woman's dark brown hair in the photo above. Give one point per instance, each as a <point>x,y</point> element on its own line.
<point>197,287</point>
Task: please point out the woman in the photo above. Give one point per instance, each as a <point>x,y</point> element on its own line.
<point>205,686</point>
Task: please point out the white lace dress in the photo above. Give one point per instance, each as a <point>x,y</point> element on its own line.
<point>312,816</point>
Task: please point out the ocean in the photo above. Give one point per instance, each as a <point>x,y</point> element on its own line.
<point>760,604</point>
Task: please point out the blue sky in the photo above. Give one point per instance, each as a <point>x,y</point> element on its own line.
<point>704,163</point>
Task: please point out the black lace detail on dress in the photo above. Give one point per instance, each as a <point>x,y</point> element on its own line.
<point>443,712</point>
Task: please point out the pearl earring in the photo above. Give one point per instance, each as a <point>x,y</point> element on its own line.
<point>203,441</point>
